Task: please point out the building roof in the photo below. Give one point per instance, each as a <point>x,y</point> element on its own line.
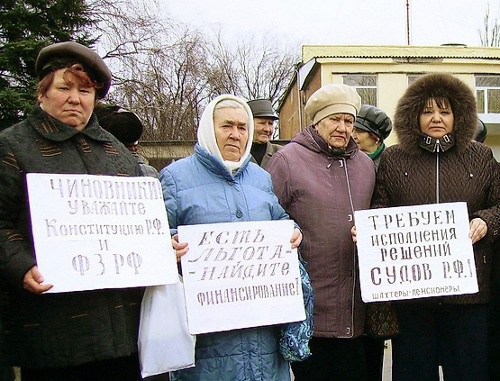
<point>400,52</point>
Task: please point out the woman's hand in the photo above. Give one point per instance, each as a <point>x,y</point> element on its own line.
<point>33,280</point>
<point>354,234</point>
<point>296,238</point>
<point>477,229</point>
<point>180,248</point>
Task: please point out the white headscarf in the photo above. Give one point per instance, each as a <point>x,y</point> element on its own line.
<point>206,133</point>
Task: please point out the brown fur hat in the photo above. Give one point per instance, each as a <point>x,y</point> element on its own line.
<point>413,101</point>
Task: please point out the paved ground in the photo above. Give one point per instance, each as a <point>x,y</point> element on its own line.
<point>387,375</point>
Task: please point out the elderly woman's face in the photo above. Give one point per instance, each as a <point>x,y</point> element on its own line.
<point>68,102</point>
<point>436,120</point>
<point>336,129</point>
<point>366,141</point>
<point>231,132</point>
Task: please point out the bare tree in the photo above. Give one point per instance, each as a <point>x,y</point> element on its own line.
<point>166,87</point>
<point>255,69</point>
<point>126,28</point>
<point>155,68</point>
<point>490,35</point>
<point>166,72</point>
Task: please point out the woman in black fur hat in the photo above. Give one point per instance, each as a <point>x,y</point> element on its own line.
<point>437,161</point>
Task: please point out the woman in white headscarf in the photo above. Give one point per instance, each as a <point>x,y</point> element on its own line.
<point>219,183</point>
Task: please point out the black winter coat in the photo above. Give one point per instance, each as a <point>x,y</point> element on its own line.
<point>471,176</point>
<point>66,329</point>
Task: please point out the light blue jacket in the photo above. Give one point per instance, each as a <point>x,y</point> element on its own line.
<point>200,190</point>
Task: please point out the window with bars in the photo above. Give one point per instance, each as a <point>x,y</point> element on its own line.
<point>365,85</point>
<point>412,78</point>
<point>488,94</point>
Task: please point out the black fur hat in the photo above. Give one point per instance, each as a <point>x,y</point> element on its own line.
<point>123,124</point>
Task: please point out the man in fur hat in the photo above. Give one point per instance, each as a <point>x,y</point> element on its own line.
<point>127,128</point>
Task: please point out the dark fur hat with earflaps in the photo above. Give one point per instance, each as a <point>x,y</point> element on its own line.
<point>413,101</point>
<point>123,124</point>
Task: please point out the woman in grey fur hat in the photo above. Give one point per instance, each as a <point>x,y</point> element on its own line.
<point>437,161</point>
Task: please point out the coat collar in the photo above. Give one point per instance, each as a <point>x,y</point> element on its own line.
<point>431,144</point>
<point>320,145</point>
<point>215,165</point>
<point>53,129</point>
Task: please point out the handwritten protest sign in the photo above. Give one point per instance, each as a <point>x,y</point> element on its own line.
<point>92,232</point>
<point>415,252</point>
<point>239,275</point>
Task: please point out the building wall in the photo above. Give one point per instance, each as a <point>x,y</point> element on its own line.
<point>290,114</point>
<point>333,62</point>
<point>293,118</point>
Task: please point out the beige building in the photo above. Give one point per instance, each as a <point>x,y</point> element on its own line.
<point>382,73</point>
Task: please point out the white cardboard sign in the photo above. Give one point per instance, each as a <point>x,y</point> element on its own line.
<point>93,232</point>
<point>413,252</point>
<point>239,275</point>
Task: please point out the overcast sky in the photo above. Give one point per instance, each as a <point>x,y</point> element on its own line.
<point>340,22</point>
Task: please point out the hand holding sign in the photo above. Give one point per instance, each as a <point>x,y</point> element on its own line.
<point>93,232</point>
<point>33,281</point>
<point>415,251</point>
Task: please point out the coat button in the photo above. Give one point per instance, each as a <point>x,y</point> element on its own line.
<point>239,214</point>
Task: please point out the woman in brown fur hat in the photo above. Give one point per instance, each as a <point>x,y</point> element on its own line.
<point>437,161</point>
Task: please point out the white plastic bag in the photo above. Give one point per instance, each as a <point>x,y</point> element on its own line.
<point>164,341</point>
